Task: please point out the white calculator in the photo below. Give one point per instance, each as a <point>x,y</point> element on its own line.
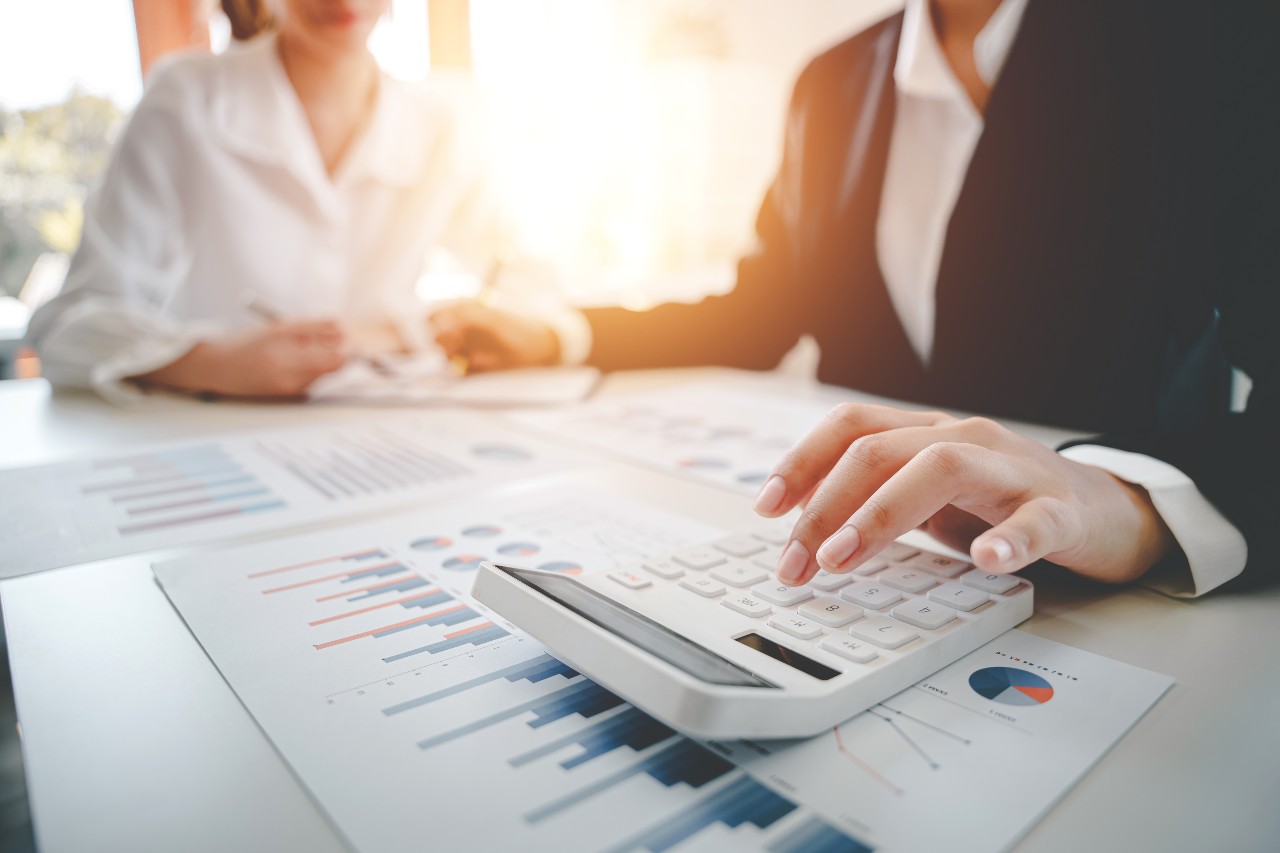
<point>709,641</point>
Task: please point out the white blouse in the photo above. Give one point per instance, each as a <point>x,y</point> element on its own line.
<point>217,187</point>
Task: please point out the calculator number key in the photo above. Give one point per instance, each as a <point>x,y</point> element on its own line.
<point>705,587</point>
<point>907,579</point>
<point>739,574</point>
<point>923,614</point>
<point>883,632</point>
<point>747,606</point>
<point>829,612</point>
<point>958,596</point>
<point>995,584</point>
<point>871,595</point>
<point>783,595</point>
<point>797,627</point>
<point>741,546</point>
<point>939,565</point>
<point>699,559</point>
<point>663,569</point>
<point>828,582</point>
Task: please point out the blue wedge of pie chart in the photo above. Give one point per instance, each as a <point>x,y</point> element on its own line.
<point>431,543</point>
<point>1010,686</point>
<point>519,549</point>
<point>482,531</point>
<point>464,562</point>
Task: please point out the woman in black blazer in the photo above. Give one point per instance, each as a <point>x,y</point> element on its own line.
<point>1111,253</point>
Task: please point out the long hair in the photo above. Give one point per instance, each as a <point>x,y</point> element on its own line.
<point>248,17</point>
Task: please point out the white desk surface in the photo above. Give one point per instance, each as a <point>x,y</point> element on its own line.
<point>133,741</point>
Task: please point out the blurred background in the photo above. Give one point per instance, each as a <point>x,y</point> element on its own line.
<point>629,141</point>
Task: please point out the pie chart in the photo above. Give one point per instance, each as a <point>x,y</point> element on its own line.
<point>1010,686</point>
<point>519,549</point>
<point>482,531</point>
<point>464,562</point>
<point>431,543</point>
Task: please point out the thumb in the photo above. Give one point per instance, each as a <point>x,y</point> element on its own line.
<point>1036,529</point>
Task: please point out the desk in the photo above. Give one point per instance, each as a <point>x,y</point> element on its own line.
<point>134,742</point>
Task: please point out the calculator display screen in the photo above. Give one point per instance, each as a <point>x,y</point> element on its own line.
<point>638,630</point>
<point>795,660</point>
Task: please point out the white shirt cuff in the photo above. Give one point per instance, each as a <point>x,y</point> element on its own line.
<point>574,332</point>
<point>1216,551</point>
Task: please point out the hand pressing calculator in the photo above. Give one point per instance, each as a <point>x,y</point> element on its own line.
<point>709,641</point>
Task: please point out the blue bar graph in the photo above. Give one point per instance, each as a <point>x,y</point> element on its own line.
<point>380,572</point>
<point>817,836</point>
<point>475,638</point>
<point>452,617</point>
<point>632,728</point>
<point>583,697</point>
<point>538,669</point>
<point>402,586</point>
<point>684,762</point>
<point>742,801</point>
<point>428,600</point>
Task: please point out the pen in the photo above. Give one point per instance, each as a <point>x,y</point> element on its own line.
<point>260,305</point>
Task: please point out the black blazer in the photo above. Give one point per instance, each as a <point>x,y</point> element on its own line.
<point>1112,251</point>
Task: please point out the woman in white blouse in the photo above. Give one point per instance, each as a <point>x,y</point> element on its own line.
<point>290,170</point>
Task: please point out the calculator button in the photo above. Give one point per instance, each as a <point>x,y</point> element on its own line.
<point>829,612</point>
<point>747,606</point>
<point>906,579</point>
<point>828,582</point>
<point>897,552</point>
<point>882,631</point>
<point>705,587</point>
<point>872,566</point>
<point>998,584</point>
<point>741,546</point>
<point>801,629</point>
<point>768,560</point>
<point>663,569</point>
<point>922,614</point>
<point>776,536</point>
<point>854,650</point>
<point>739,574</point>
<point>959,597</point>
<point>870,595</point>
<point>939,565</point>
<point>630,580</point>
<point>782,595</point>
<point>699,558</point>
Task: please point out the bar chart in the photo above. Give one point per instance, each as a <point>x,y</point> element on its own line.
<point>181,494</point>
<point>367,635</point>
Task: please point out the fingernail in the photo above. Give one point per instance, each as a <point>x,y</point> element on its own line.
<point>1003,550</point>
<point>840,547</point>
<point>771,495</point>
<point>793,562</point>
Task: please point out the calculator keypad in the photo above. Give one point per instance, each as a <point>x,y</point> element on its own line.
<point>878,610</point>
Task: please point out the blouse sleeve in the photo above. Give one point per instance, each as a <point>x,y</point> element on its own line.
<point>109,322</point>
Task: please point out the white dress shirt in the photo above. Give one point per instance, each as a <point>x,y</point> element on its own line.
<point>935,131</point>
<point>217,187</point>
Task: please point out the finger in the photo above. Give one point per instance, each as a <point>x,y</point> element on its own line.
<point>955,528</point>
<point>941,474</point>
<point>810,460</point>
<point>1035,530</point>
<point>863,468</point>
